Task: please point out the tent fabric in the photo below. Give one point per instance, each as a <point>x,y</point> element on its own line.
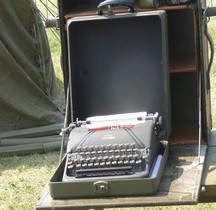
<point>28,93</point>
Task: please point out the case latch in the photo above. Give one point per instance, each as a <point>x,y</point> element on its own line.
<point>101,187</point>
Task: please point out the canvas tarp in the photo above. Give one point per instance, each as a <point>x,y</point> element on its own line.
<point>28,94</point>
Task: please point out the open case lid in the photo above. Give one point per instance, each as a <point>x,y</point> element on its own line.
<point>119,64</point>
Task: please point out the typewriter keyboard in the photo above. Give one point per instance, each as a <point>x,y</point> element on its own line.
<point>106,160</point>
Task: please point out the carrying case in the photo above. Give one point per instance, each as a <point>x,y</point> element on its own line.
<point>117,64</point>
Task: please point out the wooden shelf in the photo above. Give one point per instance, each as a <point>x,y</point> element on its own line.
<point>91,9</point>
<point>178,7</point>
<point>184,134</point>
<point>82,10</point>
<point>182,64</point>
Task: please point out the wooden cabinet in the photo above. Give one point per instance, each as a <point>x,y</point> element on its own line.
<point>183,57</point>
<point>183,41</point>
<point>184,73</point>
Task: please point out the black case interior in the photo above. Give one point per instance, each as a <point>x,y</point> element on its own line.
<point>119,65</point>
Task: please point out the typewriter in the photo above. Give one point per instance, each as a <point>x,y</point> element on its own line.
<point>113,147</point>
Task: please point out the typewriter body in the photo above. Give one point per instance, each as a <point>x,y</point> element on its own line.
<point>113,157</point>
<point>113,150</point>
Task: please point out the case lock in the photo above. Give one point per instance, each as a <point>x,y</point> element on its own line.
<point>101,187</point>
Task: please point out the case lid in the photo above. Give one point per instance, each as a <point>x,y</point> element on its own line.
<point>119,64</point>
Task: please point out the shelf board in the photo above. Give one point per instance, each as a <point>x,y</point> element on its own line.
<point>165,7</point>
<point>184,134</point>
<point>183,64</point>
<point>82,10</point>
<point>91,9</point>
<point>185,68</point>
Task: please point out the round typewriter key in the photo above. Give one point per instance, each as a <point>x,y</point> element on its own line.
<point>93,159</point>
<point>84,165</point>
<point>99,158</point>
<point>108,146</point>
<point>120,162</point>
<point>126,161</point>
<point>102,163</point>
<point>84,149</point>
<point>132,161</point>
<point>93,152</point>
<point>70,166</point>
<point>105,151</point>
<point>123,150</point>
<point>82,160</point>
<point>96,164</point>
<point>138,161</point>
<point>87,153</point>
<point>101,147</point>
<point>90,164</point>
<point>108,163</point>
<point>78,166</point>
<point>135,150</point>
<point>111,151</point>
<point>70,162</point>
<point>96,147</point>
<point>123,156</point>
<point>111,157</point>
<point>88,159</point>
<point>117,151</point>
<point>120,146</point>
<point>117,157</point>
<point>99,152</point>
<point>132,145</point>
<point>81,153</point>
<point>136,156</point>
<point>79,149</point>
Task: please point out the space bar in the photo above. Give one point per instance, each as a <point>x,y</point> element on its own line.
<point>104,169</point>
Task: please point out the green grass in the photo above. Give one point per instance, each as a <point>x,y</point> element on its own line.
<point>212,30</point>
<point>22,178</point>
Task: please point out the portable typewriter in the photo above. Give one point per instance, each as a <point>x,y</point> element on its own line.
<point>119,154</point>
<point>114,146</point>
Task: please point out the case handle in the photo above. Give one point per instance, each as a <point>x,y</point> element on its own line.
<point>115,3</point>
